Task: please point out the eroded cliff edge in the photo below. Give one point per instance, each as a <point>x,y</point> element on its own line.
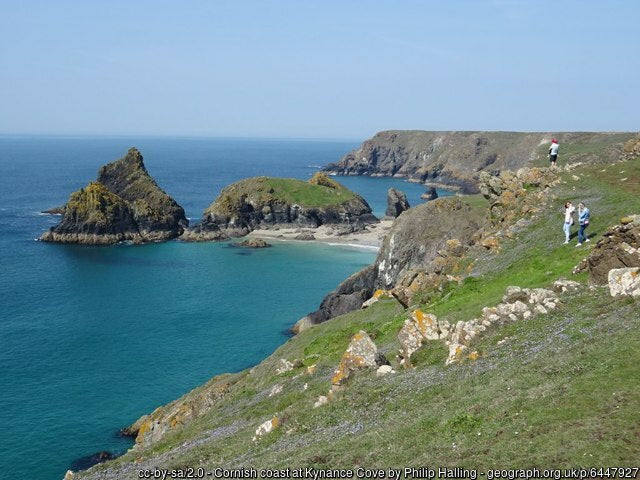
<point>454,159</point>
<point>123,204</point>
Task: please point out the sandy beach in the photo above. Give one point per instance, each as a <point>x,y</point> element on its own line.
<point>370,238</point>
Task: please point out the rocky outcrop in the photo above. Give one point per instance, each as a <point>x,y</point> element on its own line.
<point>268,203</point>
<point>517,304</point>
<point>631,148</point>
<point>348,296</point>
<point>396,203</point>
<point>618,248</point>
<point>455,158</point>
<point>153,427</point>
<point>430,194</point>
<point>252,243</point>
<point>416,246</point>
<point>123,204</point>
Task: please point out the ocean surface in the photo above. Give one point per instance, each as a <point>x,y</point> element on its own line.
<point>91,338</point>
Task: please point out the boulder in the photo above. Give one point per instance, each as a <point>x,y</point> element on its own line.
<point>624,282</point>
<point>417,329</point>
<point>361,353</point>
<point>305,236</point>
<point>266,427</point>
<point>396,203</point>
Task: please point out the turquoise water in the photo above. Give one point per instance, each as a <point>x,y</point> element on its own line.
<point>92,338</point>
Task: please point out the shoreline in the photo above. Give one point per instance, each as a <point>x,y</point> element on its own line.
<point>370,239</point>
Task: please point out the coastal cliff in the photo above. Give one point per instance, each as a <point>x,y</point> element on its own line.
<point>271,203</point>
<point>123,204</point>
<point>454,159</point>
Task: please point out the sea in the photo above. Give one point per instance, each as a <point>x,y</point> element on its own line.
<point>91,338</point>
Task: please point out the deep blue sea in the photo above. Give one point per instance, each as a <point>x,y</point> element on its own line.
<point>91,338</point>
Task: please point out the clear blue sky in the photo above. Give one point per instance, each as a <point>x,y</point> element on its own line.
<point>336,69</point>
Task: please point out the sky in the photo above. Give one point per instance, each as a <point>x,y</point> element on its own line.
<point>317,69</point>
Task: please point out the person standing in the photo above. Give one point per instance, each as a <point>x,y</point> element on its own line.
<point>584,216</point>
<point>553,152</point>
<point>569,210</point>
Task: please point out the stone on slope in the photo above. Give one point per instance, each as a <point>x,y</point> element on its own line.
<point>361,353</point>
<point>624,282</point>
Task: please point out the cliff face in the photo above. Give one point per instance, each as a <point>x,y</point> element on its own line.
<point>455,158</point>
<point>414,241</point>
<point>265,202</point>
<point>125,203</point>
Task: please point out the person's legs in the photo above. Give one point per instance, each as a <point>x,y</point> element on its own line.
<point>567,232</point>
<point>581,234</point>
<point>584,235</point>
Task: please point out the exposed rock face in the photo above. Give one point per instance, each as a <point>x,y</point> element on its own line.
<point>267,203</point>
<point>348,296</point>
<point>618,248</point>
<point>455,158</point>
<point>151,428</point>
<point>624,282</point>
<point>416,330</point>
<point>419,234</point>
<point>396,203</point>
<point>125,203</point>
<point>414,244</point>
<point>361,353</point>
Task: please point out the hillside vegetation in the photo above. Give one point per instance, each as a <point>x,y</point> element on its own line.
<point>560,389</point>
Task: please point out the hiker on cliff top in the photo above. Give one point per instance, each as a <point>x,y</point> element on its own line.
<point>569,210</point>
<point>584,216</point>
<point>553,152</point>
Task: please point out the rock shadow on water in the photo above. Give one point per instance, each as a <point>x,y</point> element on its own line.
<point>83,463</point>
<point>117,257</point>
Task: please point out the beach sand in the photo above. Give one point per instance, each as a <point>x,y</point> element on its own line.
<point>370,238</point>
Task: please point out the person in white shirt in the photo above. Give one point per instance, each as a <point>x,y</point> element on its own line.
<point>553,152</point>
<point>569,210</point>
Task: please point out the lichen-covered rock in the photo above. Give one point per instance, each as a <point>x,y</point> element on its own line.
<point>284,365</point>
<point>417,329</point>
<point>396,203</point>
<point>151,428</point>
<point>624,282</point>
<point>124,204</point>
<point>268,203</point>
<point>618,248</point>
<point>361,353</point>
<point>320,178</point>
<point>377,295</point>
<point>267,427</point>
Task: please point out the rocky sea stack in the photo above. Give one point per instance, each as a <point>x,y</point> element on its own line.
<point>270,203</point>
<point>123,204</point>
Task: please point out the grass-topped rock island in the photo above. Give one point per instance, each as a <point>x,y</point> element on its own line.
<point>272,203</point>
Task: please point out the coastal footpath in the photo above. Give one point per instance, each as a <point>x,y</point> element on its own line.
<point>500,346</point>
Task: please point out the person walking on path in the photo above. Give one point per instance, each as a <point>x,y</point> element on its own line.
<point>583,221</point>
<point>553,152</point>
<point>569,210</point>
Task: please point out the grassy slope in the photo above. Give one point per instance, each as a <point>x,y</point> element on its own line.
<point>563,390</point>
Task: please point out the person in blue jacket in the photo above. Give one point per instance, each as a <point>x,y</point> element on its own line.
<point>583,221</point>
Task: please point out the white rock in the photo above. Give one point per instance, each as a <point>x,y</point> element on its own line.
<point>322,400</point>
<point>276,389</point>
<point>526,315</point>
<point>383,370</point>
<point>624,282</point>
<point>284,366</point>
<point>266,427</point>
<point>69,475</point>
<point>541,309</point>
